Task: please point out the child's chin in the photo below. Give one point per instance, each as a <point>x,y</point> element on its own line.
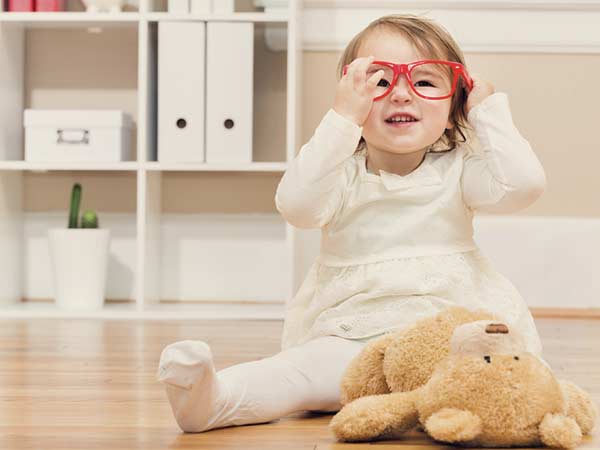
<point>401,149</point>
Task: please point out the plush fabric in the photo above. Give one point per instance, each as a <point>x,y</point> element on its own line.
<point>464,378</point>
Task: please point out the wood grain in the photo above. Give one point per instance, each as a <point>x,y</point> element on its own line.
<point>90,384</point>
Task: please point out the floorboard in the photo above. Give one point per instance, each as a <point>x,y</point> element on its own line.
<point>90,384</point>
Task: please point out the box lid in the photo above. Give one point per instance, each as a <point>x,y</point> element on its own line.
<point>77,118</point>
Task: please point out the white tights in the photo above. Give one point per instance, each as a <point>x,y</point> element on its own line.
<point>302,378</point>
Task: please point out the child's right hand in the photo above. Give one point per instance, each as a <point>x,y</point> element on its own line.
<point>355,93</point>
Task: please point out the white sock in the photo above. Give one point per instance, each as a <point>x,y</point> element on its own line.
<point>306,377</point>
<point>187,369</point>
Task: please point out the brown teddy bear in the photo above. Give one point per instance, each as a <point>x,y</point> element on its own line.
<point>464,378</point>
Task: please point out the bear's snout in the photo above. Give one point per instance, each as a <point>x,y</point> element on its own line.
<point>496,328</point>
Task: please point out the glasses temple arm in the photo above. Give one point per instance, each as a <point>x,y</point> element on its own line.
<point>468,79</point>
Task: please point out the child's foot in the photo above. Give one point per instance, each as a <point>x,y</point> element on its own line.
<point>187,369</point>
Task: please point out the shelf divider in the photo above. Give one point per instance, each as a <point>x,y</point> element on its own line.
<point>85,19</point>
<point>208,167</point>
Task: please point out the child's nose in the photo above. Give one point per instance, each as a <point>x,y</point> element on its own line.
<point>402,90</point>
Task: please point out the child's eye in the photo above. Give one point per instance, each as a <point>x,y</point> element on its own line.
<point>383,83</point>
<point>425,83</point>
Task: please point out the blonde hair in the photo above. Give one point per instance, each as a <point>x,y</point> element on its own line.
<point>431,39</point>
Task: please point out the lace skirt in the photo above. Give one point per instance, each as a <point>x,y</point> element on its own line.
<point>363,301</point>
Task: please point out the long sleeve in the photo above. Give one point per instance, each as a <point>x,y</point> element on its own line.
<point>312,187</point>
<point>507,176</point>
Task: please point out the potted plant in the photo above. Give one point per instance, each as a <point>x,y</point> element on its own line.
<point>79,257</point>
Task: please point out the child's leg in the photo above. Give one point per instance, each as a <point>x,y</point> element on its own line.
<point>306,377</point>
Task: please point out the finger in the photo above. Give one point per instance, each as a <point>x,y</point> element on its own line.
<point>352,66</point>
<point>374,80</point>
<point>366,63</point>
<point>358,76</point>
<point>358,62</point>
<point>362,60</point>
<point>360,72</point>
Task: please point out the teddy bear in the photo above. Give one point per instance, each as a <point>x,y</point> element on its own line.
<point>464,377</point>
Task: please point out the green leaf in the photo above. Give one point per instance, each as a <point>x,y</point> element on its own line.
<point>89,219</point>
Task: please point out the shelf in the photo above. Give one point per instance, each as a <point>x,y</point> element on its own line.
<point>225,167</point>
<point>37,309</point>
<point>70,19</point>
<point>162,311</point>
<point>162,214</point>
<point>84,19</point>
<point>151,166</point>
<point>45,166</point>
<point>214,310</point>
<point>232,17</point>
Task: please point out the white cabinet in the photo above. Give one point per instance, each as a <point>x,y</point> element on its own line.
<point>241,254</point>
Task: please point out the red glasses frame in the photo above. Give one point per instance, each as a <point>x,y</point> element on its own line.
<point>458,70</point>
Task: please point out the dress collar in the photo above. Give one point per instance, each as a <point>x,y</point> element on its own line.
<point>424,175</point>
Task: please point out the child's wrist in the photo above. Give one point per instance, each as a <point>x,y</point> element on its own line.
<point>492,101</point>
<point>346,115</point>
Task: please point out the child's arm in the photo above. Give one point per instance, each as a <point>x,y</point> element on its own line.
<point>312,187</point>
<point>507,176</point>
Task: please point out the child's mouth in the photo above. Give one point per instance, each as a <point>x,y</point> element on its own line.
<point>400,123</point>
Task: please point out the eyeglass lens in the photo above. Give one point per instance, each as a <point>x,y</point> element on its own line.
<point>429,79</point>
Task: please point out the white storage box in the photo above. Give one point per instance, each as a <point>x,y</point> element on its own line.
<point>77,135</point>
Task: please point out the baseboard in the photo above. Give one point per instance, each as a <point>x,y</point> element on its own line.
<point>566,313</point>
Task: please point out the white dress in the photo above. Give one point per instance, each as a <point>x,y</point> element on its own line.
<point>394,248</point>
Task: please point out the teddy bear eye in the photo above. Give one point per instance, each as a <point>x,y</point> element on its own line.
<point>487,359</point>
<point>516,358</point>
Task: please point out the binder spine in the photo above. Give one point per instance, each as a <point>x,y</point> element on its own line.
<point>229,94</point>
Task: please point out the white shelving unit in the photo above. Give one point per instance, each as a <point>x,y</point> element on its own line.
<point>146,169</point>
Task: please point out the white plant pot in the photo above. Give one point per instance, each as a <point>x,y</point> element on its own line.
<point>79,261</point>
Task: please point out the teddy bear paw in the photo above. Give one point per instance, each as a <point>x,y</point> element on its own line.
<point>360,420</point>
<point>559,431</point>
<point>453,425</point>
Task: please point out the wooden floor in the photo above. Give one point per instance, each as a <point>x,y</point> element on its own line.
<point>90,384</point>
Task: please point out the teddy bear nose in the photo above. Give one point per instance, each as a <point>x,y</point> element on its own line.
<point>496,328</point>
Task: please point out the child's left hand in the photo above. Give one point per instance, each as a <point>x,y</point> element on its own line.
<point>481,90</point>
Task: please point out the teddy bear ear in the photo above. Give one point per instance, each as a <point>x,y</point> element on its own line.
<point>496,328</point>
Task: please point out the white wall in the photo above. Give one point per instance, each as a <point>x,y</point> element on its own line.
<point>553,261</point>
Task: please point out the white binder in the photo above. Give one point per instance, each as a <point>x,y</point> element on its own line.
<point>200,6</point>
<point>223,6</point>
<point>178,6</point>
<point>229,91</point>
<point>181,99</point>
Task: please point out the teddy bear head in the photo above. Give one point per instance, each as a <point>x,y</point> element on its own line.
<point>489,373</point>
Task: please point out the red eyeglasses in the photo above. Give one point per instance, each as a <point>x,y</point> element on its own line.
<point>429,78</point>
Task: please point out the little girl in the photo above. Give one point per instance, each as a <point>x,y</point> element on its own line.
<point>391,182</point>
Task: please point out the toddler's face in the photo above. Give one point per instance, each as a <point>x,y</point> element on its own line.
<point>432,115</point>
